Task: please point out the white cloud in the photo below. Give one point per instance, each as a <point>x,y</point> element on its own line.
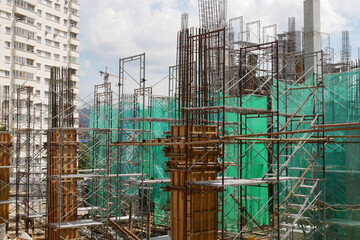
<point>112,29</point>
<point>86,64</point>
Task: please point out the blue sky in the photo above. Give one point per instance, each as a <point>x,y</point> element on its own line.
<point>113,29</point>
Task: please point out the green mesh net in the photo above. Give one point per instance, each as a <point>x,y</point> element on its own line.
<point>341,102</point>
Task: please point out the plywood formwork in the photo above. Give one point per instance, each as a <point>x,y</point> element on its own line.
<point>194,210</point>
<point>62,191</point>
<point>5,155</point>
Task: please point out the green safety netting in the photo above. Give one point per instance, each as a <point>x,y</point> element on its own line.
<point>341,105</point>
<point>254,165</point>
<point>129,159</point>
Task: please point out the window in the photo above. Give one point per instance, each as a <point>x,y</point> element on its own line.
<point>73,48</point>
<point>56,57</point>
<point>24,61</point>
<point>37,92</point>
<point>23,46</point>
<point>48,16</point>
<point>39,25</point>
<point>30,21</point>
<point>49,3</point>
<point>73,59</point>
<point>73,23</point>
<point>25,5</point>
<point>57,19</point>
<point>56,44</point>
<point>65,46</point>
<point>56,31</point>
<point>20,60</point>
<point>8,1</point>
<point>38,39</point>
<point>38,79</point>
<point>47,42</point>
<point>65,22</point>
<point>29,62</point>
<point>7,59</point>
<point>47,54</point>
<point>8,15</point>
<point>23,75</point>
<point>65,10</point>
<point>46,94</point>
<point>57,6</point>
<point>48,29</point>
<point>29,48</point>
<point>65,34</point>
<point>8,30</point>
<point>39,12</point>
<point>64,58</point>
<point>38,65</point>
<point>24,32</point>
<point>47,68</point>
<point>38,52</point>
<point>73,35</point>
<point>73,11</point>
<point>7,44</point>
<point>7,73</point>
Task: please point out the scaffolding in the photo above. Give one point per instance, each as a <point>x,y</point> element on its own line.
<point>235,150</point>
<point>29,191</point>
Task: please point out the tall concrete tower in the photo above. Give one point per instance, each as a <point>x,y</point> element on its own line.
<point>312,32</point>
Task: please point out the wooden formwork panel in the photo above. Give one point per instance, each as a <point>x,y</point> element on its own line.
<point>194,210</point>
<point>5,155</point>
<point>62,191</point>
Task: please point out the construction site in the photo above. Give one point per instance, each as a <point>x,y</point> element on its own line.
<point>257,138</point>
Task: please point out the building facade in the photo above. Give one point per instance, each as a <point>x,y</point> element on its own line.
<point>34,36</point>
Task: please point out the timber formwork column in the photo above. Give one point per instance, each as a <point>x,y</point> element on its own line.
<point>5,155</point>
<point>62,200</point>
<point>62,191</point>
<point>195,152</point>
<point>194,210</point>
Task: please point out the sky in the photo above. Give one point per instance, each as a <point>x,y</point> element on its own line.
<point>114,29</point>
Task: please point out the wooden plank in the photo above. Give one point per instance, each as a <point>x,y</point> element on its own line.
<point>124,231</point>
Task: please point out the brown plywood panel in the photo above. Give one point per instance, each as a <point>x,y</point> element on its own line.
<point>193,209</point>
<point>62,161</point>
<point>5,155</point>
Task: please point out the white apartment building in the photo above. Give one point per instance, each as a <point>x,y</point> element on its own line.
<point>34,36</point>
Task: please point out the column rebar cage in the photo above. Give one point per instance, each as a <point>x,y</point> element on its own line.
<point>62,194</point>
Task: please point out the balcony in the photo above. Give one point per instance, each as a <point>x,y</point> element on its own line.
<point>24,67</point>
<point>74,29</point>
<point>25,25</point>
<point>72,53</point>
<point>27,40</point>
<point>74,4</point>
<point>73,65</point>
<point>25,12</point>
<point>25,54</point>
<point>73,41</point>
<point>74,18</point>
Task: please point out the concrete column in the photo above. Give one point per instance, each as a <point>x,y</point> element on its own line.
<point>184,21</point>
<point>312,32</point>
